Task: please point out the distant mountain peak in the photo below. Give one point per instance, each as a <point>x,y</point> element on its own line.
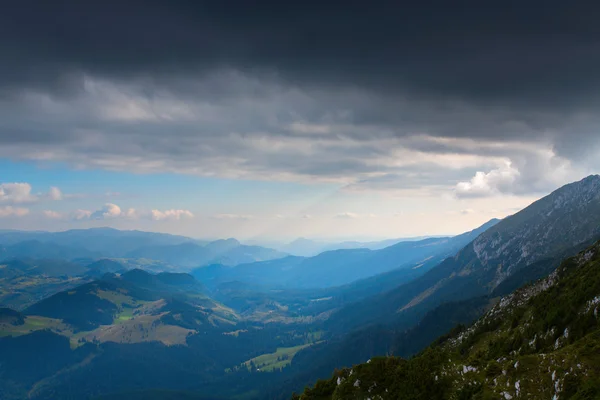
<point>301,240</point>
<point>588,185</point>
<point>491,222</point>
<point>591,178</point>
<point>105,265</point>
<point>231,241</point>
<point>136,274</point>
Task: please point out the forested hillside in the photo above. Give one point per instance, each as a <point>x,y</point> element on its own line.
<point>540,342</point>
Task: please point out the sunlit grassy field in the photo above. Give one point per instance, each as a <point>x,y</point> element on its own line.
<point>34,323</point>
<point>274,361</point>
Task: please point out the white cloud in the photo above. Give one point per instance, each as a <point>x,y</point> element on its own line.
<point>351,215</point>
<point>9,211</point>
<point>158,215</point>
<point>16,193</point>
<point>113,211</point>
<point>55,193</point>
<point>233,216</point>
<point>21,192</point>
<point>467,211</point>
<point>500,180</point>
<point>53,214</point>
<point>81,214</point>
<point>346,215</point>
<point>131,213</point>
<point>107,212</point>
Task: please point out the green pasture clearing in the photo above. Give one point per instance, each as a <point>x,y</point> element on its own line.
<point>34,323</point>
<point>274,361</point>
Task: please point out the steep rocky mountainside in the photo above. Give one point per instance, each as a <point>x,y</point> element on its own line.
<point>540,342</point>
<point>520,248</point>
<point>562,220</point>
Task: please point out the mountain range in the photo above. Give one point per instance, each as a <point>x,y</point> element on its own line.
<point>461,288</point>
<point>87,245</point>
<point>341,267</point>
<point>520,248</point>
<point>482,315</point>
<point>309,247</point>
<point>108,241</point>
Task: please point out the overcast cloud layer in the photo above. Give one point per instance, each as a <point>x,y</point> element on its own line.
<point>464,98</point>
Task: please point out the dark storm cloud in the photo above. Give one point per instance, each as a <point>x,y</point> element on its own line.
<point>375,94</point>
<point>507,50</point>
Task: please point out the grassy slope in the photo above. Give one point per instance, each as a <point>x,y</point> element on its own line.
<point>274,361</point>
<point>32,324</point>
<point>23,291</point>
<point>130,319</point>
<point>540,342</point>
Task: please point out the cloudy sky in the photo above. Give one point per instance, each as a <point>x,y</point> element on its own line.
<point>282,119</point>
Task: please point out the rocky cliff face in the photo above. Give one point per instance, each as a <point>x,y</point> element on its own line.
<point>568,217</point>
<point>519,249</point>
<point>553,227</point>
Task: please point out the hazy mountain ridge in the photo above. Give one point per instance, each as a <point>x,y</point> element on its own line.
<point>37,279</point>
<point>33,248</point>
<point>344,266</point>
<point>103,266</point>
<point>308,247</point>
<point>188,255</point>
<point>97,243</point>
<point>97,239</point>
